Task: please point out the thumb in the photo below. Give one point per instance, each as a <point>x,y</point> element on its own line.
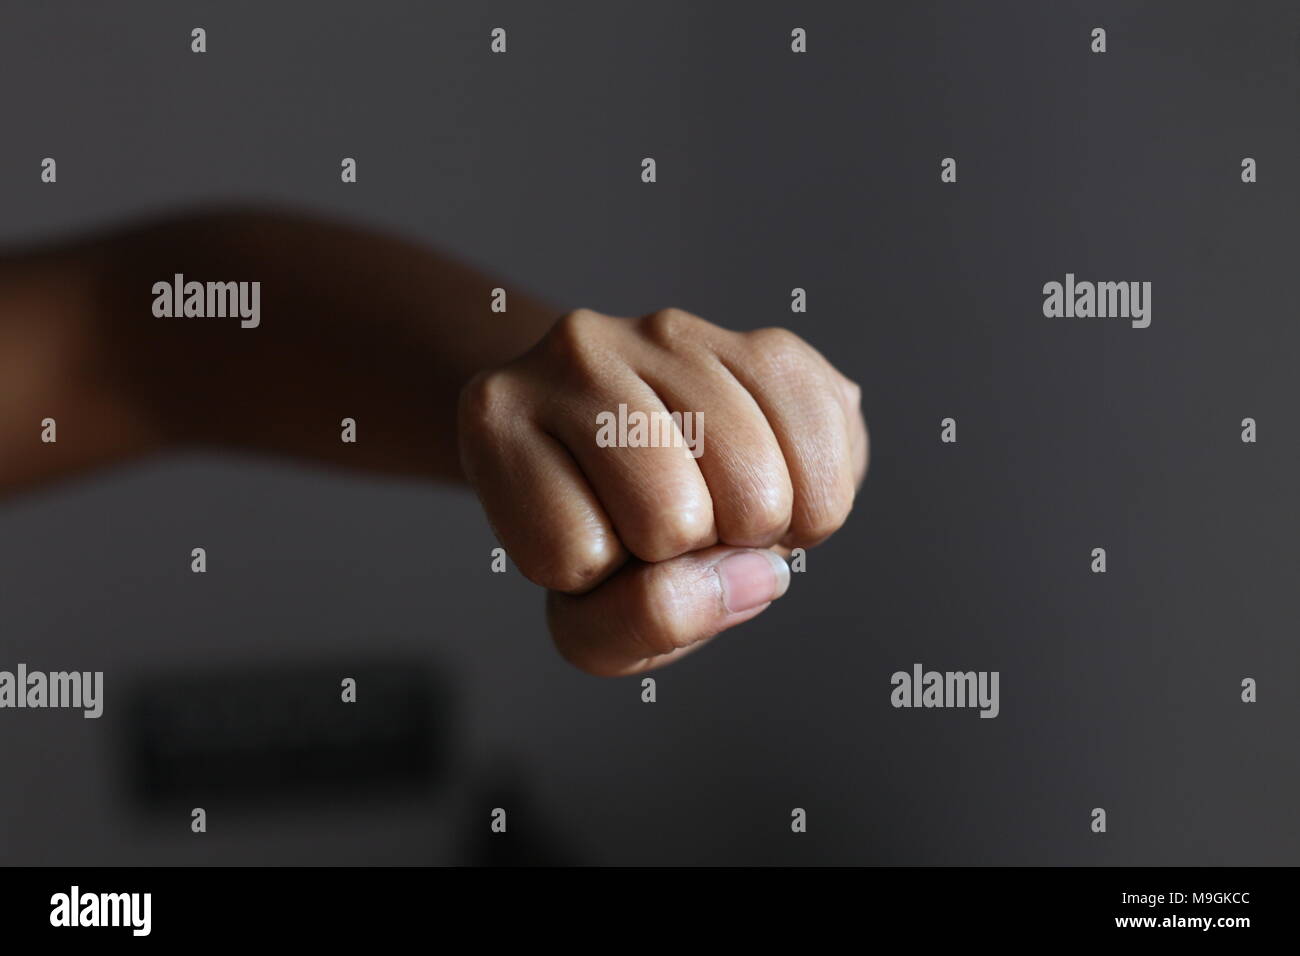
<point>648,615</point>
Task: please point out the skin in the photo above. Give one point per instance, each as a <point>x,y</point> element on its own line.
<point>646,553</point>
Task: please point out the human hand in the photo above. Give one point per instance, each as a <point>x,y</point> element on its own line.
<point>648,552</point>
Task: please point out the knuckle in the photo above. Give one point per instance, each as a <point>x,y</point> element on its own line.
<point>573,341</point>
<point>577,567</point>
<point>656,614</point>
<point>778,351</point>
<point>760,517</point>
<point>853,393</point>
<point>776,339</point>
<point>670,328</point>
<point>821,520</point>
<point>673,533</point>
<point>575,324</point>
<point>486,399</point>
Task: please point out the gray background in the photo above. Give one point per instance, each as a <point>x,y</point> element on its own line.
<point>1118,690</point>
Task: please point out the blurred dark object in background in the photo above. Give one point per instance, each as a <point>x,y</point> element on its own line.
<point>266,734</point>
<point>262,740</point>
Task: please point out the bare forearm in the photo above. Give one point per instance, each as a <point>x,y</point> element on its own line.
<point>353,325</point>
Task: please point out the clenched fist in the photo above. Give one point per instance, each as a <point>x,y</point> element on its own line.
<point>649,549</point>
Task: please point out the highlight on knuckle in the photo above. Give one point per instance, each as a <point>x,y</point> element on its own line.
<point>486,400</point>
<point>671,328</point>
<point>672,533</point>
<point>578,566</point>
<point>779,352</point>
<point>574,342</point>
